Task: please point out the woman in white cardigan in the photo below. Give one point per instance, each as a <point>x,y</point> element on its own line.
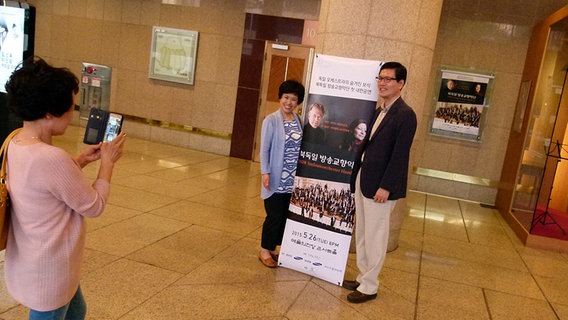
<point>279,150</point>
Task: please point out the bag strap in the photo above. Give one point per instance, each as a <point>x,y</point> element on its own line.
<point>4,152</point>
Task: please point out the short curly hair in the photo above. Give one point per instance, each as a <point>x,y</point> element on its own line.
<point>293,87</point>
<point>36,89</point>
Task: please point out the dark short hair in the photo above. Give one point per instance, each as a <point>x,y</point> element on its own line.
<point>36,89</point>
<point>294,87</point>
<point>399,70</point>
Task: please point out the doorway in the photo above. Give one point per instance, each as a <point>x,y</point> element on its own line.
<point>539,201</point>
<point>281,62</point>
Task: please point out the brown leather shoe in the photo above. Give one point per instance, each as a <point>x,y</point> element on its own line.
<point>350,284</point>
<point>268,262</point>
<point>358,297</point>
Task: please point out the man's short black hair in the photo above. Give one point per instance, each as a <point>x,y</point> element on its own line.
<point>399,70</point>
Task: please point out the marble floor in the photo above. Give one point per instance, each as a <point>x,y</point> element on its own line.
<point>180,236</point>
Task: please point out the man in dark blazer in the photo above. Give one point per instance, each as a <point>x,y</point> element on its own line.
<point>379,178</point>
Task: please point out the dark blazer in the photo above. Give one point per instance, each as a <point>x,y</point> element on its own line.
<point>387,153</point>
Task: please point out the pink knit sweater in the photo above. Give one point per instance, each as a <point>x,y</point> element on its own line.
<point>50,198</point>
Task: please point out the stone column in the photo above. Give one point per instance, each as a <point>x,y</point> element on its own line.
<point>403,31</point>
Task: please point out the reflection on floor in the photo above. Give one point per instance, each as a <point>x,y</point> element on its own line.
<point>180,237</point>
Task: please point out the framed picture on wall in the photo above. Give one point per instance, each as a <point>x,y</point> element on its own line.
<point>173,54</point>
<point>462,104</point>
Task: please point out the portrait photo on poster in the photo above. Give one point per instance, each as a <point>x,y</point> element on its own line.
<point>337,115</point>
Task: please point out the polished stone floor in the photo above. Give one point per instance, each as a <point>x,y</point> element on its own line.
<point>180,236</point>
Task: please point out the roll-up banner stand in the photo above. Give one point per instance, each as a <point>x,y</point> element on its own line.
<point>322,209</point>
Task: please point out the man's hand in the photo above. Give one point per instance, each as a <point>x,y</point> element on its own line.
<point>381,195</point>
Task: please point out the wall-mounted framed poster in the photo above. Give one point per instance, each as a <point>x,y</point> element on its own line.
<point>461,105</point>
<point>173,54</point>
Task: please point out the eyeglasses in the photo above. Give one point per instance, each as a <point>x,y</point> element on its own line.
<point>385,79</point>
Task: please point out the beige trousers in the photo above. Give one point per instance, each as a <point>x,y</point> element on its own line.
<point>371,238</point>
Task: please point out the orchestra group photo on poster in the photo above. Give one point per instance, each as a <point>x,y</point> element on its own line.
<point>325,204</point>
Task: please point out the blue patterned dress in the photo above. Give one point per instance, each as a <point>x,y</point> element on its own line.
<point>291,153</point>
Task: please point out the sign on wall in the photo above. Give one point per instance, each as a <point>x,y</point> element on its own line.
<point>461,105</point>
<point>173,54</point>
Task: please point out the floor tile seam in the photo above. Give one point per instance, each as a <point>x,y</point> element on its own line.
<point>167,195</point>
<point>218,170</point>
<point>197,176</point>
<point>237,235</point>
<point>239,239</point>
<point>200,225</point>
<point>293,302</point>
<point>420,257</point>
<point>118,221</point>
<point>435,212</point>
<point>135,216</point>
<point>478,262</point>
<point>212,189</point>
<point>180,283</point>
<point>479,286</point>
<point>485,223</point>
<point>343,301</point>
<point>182,274</point>
<point>464,223</point>
<point>417,272</point>
<point>486,301</point>
<point>407,229</point>
<point>117,181</point>
<point>224,186</point>
<point>456,282</point>
<point>489,290</point>
<point>471,244</point>
<point>161,206</point>
<point>197,162</point>
<point>548,276</point>
<point>479,250</point>
<point>115,259</point>
<point>523,255</point>
<point>509,232</point>
<point>93,229</point>
<point>190,224</point>
<point>420,261</point>
<point>540,288</point>
<point>150,151</point>
<point>112,201</point>
<point>141,303</point>
<point>539,256</point>
<point>216,207</point>
<point>246,197</point>
<point>14,307</point>
<point>476,244</point>
<point>399,296</point>
<point>485,290</point>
